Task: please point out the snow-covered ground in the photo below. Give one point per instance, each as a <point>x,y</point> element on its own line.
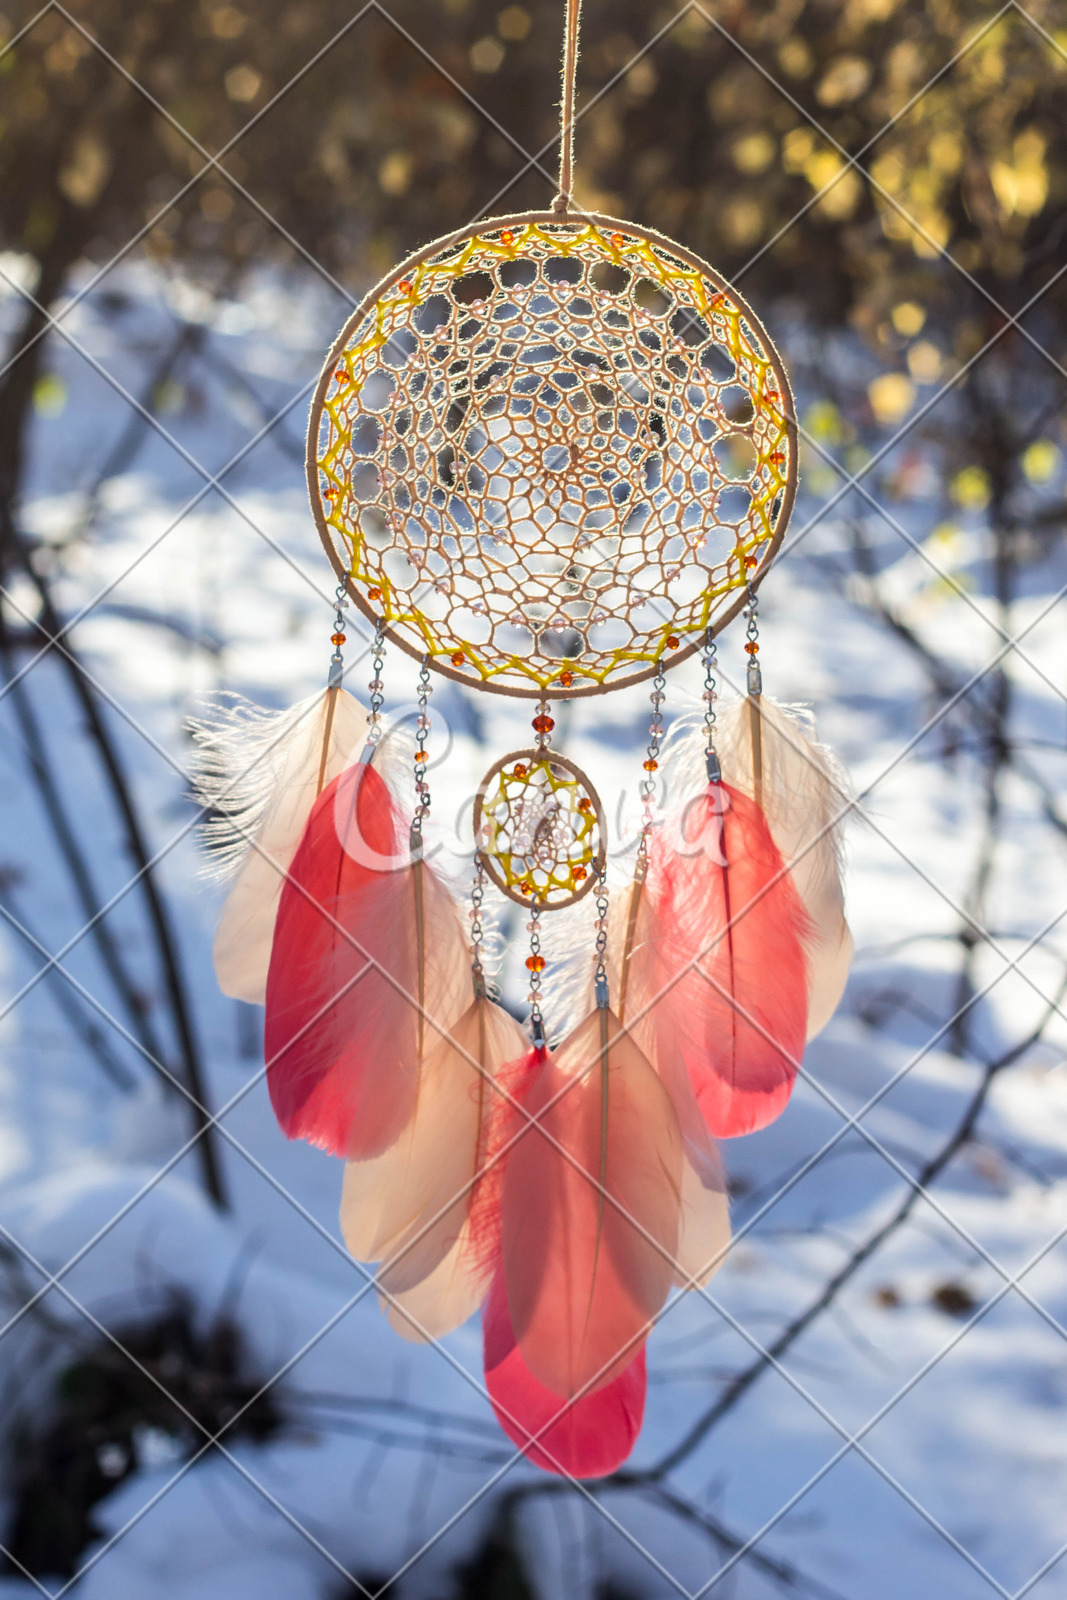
<point>956,1484</point>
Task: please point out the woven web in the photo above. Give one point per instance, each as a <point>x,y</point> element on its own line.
<point>549,453</point>
<point>539,829</point>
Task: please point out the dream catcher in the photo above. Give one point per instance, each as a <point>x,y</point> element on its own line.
<point>549,456</point>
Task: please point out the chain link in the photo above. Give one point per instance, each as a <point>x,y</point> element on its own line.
<point>422,733</point>
<point>535,965</point>
<point>337,638</point>
<point>477,927</point>
<point>600,980</point>
<point>709,697</point>
<point>651,764</point>
<point>376,686</point>
<point>751,613</point>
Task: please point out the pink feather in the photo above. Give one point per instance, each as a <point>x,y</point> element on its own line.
<point>585,1437</point>
<point>369,965</point>
<point>590,1208</point>
<point>722,978</point>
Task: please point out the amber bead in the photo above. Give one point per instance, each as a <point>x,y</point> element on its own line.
<point>405,286</point>
<point>337,638</point>
<point>578,874</point>
<point>618,240</point>
<point>750,561</point>
<point>519,770</point>
<point>374,594</point>
<point>507,237</point>
<point>340,374</point>
<point>543,723</point>
<point>752,648</point>
<point>458,658</point>
<point>672,642</point>
<point>420,756</point>
<point>585,804</point>
<point>566,679</point>
<point>535,963</point>
<point>651,766</point>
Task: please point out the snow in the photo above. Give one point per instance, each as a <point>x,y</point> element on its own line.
<point>180,591</point>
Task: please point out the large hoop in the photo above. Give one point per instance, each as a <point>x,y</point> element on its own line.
<point>504,506</point>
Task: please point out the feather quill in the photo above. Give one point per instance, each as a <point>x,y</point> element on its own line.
<point>354,997</point>
<point>260,773</point>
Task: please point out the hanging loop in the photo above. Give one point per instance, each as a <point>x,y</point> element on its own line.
<point>566,108</point>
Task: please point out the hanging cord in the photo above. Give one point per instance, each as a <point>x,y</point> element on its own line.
<point>566,112</point>
<point>709,698</point>
<point>755,689</point>
<point>535,965</point>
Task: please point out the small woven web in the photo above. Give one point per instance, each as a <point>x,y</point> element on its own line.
<point>539,829</point>
<point>550,452</point>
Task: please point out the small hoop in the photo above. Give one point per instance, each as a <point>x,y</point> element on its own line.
<point>537,856</point>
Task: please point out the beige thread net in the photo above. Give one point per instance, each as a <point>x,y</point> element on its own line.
<point>539,828</point>
<point>550,453</point>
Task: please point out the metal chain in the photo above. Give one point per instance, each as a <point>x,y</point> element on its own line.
<point>422,733</point>
<point>337,638</point>
<point>755,677</point>
<point>709,698</point>
<point>535,965</point>
<point>477,927</point>
<point>651,764</point>
<point>600,980</point>
<point>376,686</point>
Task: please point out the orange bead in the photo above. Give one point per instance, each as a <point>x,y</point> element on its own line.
<point>405,286</point>
<point>337,638</point>
<point>507,237</point>
<point>566,679</point>
<point>578,873</point>
<point>543,724</point>
<point>374,594</point>
<point>526,888</point>
<point>458,658</point>
<point>519,770</point>
<point>420,756</point>
<point>535,963</point>
<point>651,766</point>
<point>672,642</point>
<point>752,648</point>
<point>585,804</point>
<point>618,240</point>
<point>328,494</point>
<point>340,374</point>
<point>751,561</point>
